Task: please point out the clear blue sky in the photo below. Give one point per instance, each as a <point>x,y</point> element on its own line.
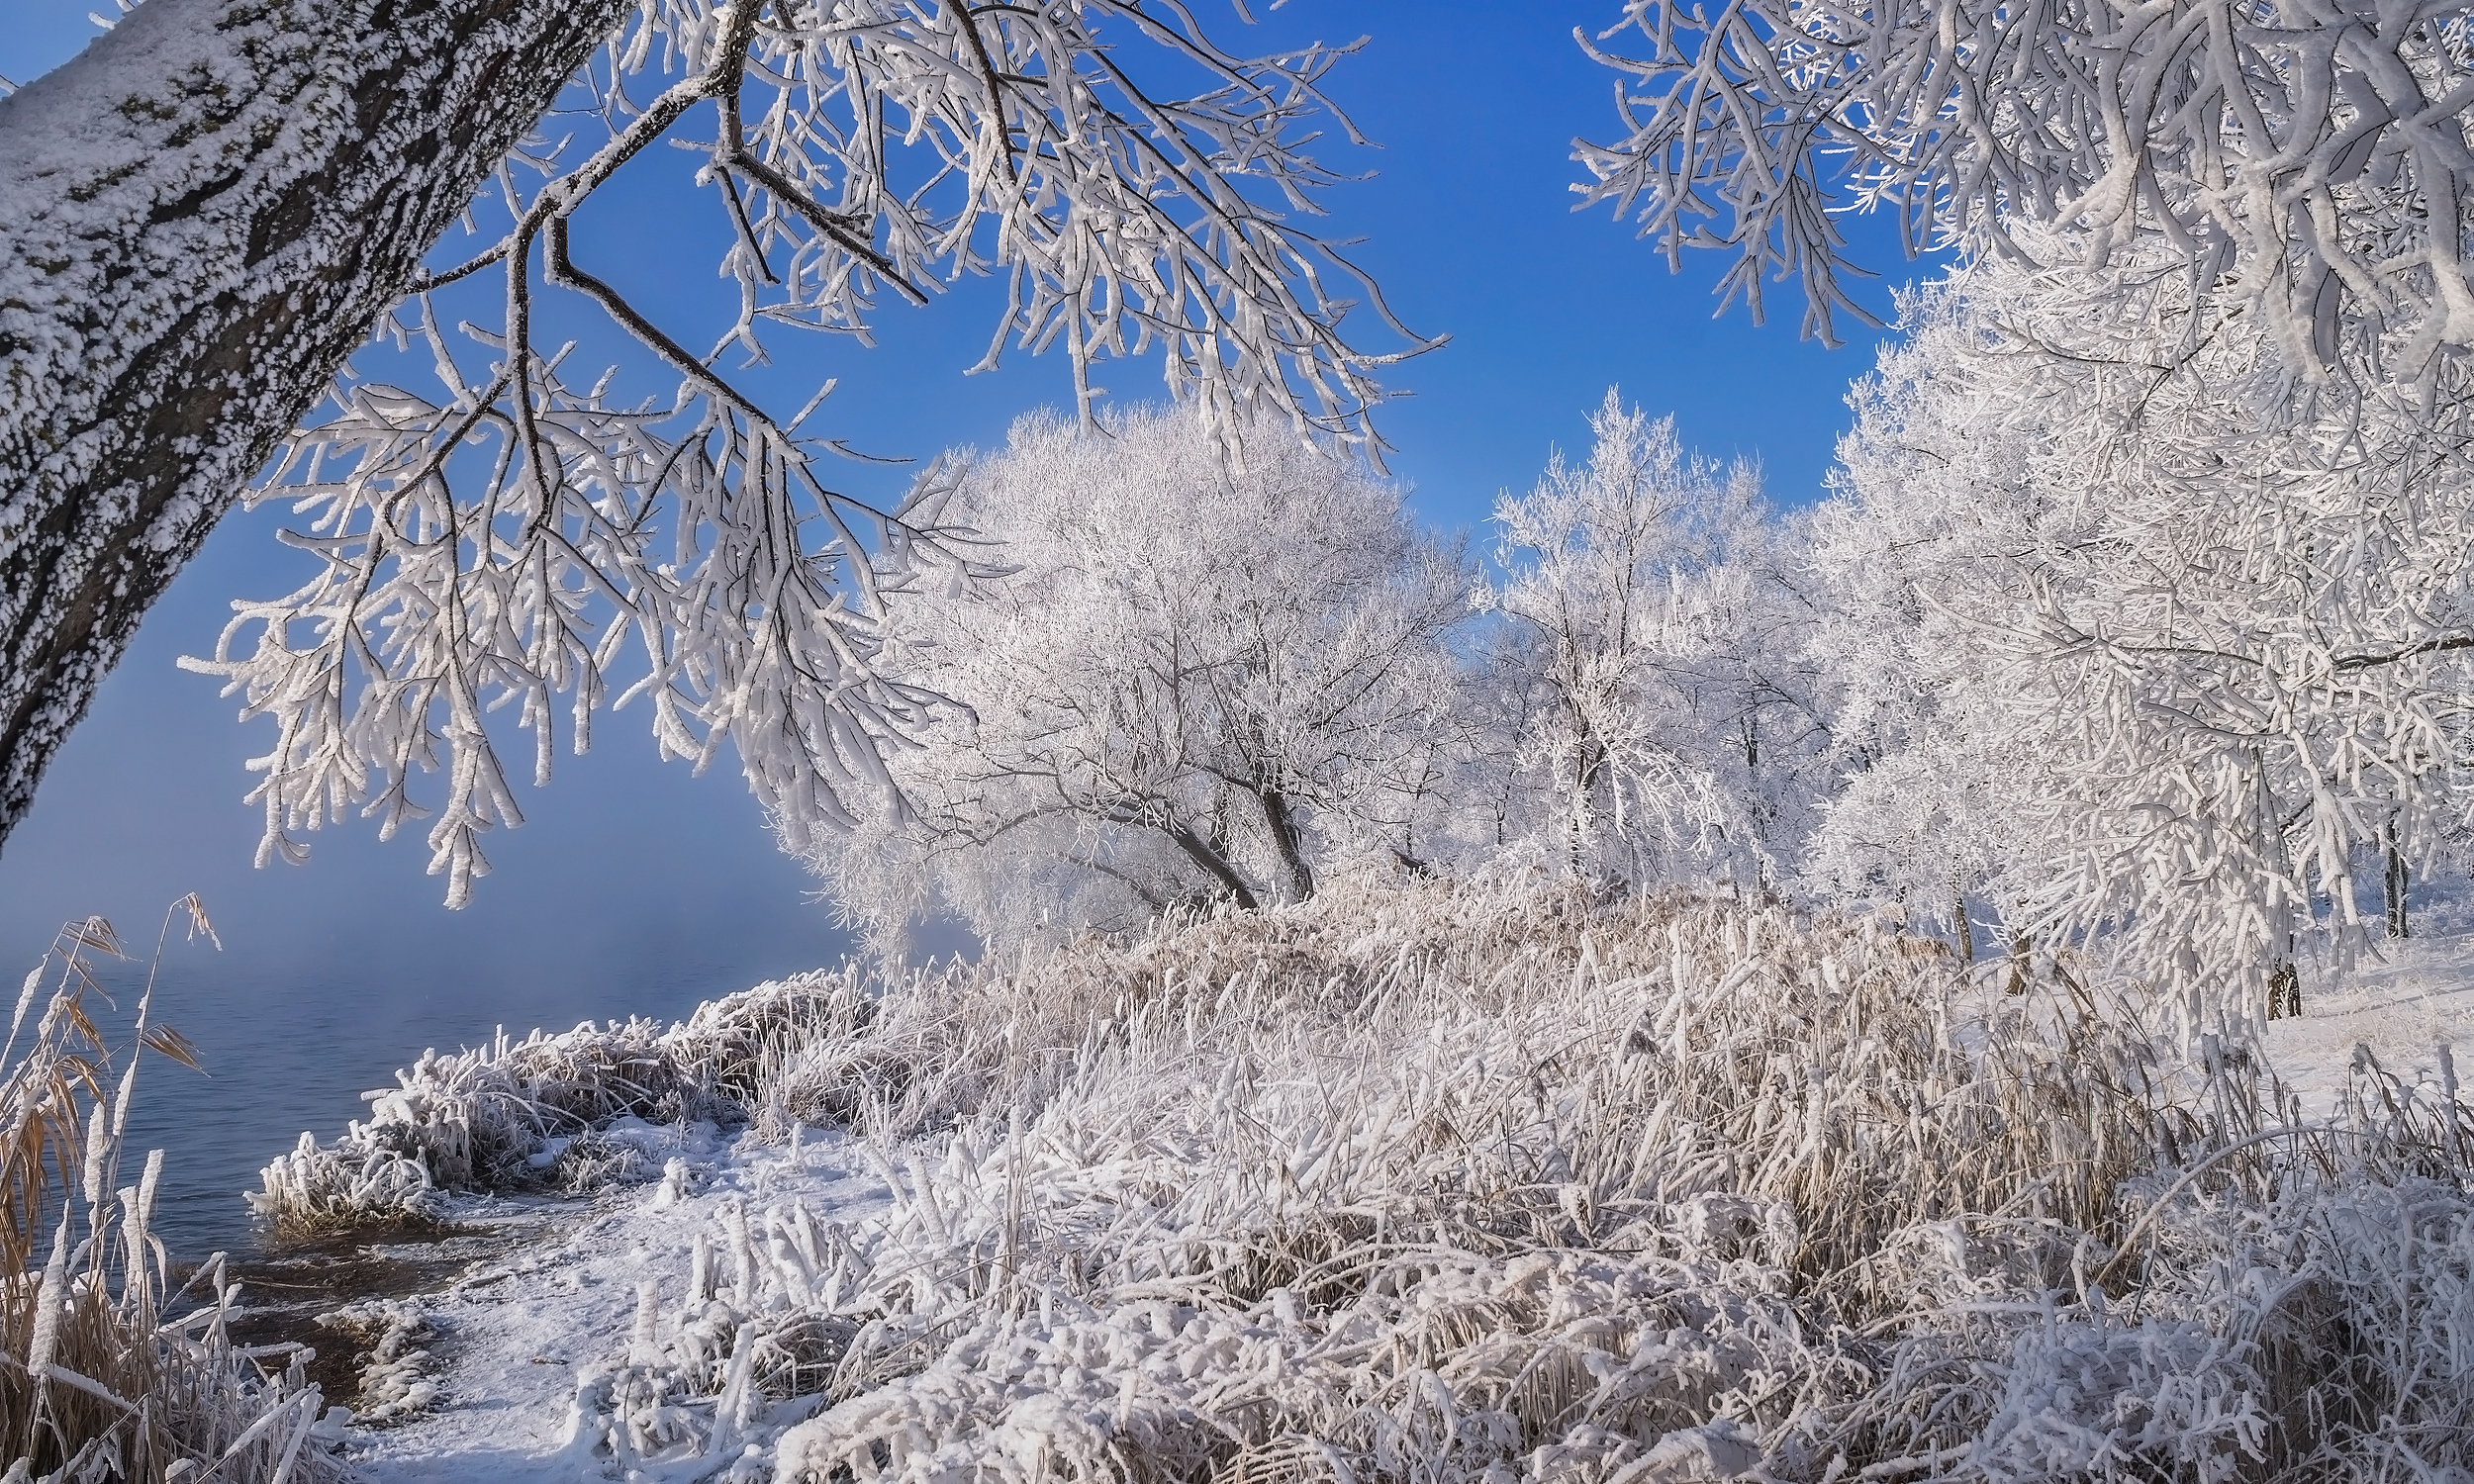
<point>634,884</point>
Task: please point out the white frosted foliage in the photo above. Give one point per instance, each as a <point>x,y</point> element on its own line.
<point>510,535</point>
<point>2307,160</point>
<point>2162,659</point>
<point>1196,680</point>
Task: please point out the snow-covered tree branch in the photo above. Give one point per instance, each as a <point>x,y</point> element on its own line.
<point>2309,160</point>
<point>1138,188</point>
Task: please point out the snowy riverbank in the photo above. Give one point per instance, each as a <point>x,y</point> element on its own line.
<point>507,1346</point>
<point>1434,1182</point>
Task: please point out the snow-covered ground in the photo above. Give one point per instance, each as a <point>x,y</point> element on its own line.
<point>2403,1000</point>
<point>504,1350</point>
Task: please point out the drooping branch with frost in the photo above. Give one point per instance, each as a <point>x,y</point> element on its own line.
<point>676,555</point>
<point>515,538</point>
<point>2309,159</point>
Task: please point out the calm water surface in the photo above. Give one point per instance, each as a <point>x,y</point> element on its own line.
<point>290,1040</point>
<point>632,888</point>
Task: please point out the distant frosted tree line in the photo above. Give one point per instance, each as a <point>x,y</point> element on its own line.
<point>2138,614</point>
<point>2144,657</point>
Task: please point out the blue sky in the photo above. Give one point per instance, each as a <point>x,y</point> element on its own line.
<point>634,884</point>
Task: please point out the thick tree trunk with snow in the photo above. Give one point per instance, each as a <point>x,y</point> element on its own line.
<point>200,218</point>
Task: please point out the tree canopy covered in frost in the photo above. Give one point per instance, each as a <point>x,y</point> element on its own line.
<point>1653,653</point>
<point>2150,651</point>
<point>1199,681</point>
<point>2307,160</point>
<point>273,177</point>
<point>1589,554</point>
<point>1198,678</point>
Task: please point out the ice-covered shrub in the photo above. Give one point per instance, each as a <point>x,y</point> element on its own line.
<point>395,1384</point>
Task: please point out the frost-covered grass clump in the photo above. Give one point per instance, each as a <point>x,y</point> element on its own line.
<point>1456,1183</point>
<point>536,1114</point>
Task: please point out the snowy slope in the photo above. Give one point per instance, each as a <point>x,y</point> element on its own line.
<point>1123,1266</point>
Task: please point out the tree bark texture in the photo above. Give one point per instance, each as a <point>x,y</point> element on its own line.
<point>2393,878</point>
<point>200,218</point>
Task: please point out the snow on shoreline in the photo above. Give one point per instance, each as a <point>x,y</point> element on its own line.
<point>598,1341</point>
<point>514,1339</point>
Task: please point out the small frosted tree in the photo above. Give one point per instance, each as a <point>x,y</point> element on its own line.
<point>1198,680</point>
<point>1744,692</point>
<point>1600,565</point>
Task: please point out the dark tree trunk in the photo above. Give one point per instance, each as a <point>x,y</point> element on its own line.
<point>200,218</point>
<point>1215,865</point>
<point>2285,990</point>
<point>2393,880</point>
<point>1287,841</point>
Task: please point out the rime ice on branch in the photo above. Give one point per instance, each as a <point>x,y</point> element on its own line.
<point>199,219</point>
<point>853,150</point>
<point>2310,159</point>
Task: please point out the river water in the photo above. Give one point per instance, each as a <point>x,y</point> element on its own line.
<point>633,887</point>
<point>291,1047</point>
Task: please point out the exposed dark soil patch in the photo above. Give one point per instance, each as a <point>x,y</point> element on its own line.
<point>285,1287</point>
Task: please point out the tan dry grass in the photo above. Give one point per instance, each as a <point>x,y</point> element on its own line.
<point>95,1383</point>
<point>1444,1183</point>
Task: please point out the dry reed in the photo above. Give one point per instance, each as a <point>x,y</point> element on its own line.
<point>96,1383</point>
<point>1482,1181</point>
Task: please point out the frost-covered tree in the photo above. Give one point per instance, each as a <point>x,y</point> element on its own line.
<point>2307,159</point>
<point>1611,596</point>
<point>1745,693</point>
<point>1201,681</point>
<point>206,213</point>
<point>2174,655</point>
